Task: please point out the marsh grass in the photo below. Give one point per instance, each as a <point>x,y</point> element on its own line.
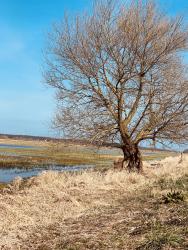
<point>95,210</point>
<point>48,153</point>
<point>47,158</point>
<point>54,154</point>
<point>2,186</point>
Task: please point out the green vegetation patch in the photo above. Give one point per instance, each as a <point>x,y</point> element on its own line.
<point>161,236</point>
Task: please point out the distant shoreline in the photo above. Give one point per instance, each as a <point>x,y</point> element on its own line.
<point>69,141</point>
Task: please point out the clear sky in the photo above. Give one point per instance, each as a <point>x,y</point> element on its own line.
<point>26,105</point>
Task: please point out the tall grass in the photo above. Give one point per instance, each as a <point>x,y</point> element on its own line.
<point>30,207</point>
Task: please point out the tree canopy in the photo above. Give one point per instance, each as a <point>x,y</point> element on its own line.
<point>120,76</point>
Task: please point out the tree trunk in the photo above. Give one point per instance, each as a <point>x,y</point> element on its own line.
<point>118,164</point>
<point>133,157</point>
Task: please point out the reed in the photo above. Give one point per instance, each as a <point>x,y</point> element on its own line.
<point>63,210</point>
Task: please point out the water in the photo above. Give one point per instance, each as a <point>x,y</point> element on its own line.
<point>9,174</point>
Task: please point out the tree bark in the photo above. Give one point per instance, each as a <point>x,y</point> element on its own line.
<point>133,157</point>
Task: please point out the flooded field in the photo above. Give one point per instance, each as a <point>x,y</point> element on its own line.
<point>26,159</point>
<point>9,174</point>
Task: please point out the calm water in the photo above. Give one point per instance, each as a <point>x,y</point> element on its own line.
<point>9,174</point>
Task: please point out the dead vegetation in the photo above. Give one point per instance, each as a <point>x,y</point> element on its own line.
<point>92,210</point>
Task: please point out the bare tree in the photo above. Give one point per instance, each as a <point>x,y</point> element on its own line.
<point>120,76</point>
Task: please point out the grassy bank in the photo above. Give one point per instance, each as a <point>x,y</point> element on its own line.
<point>49,153</point>
<point>44,153</point>
<point>92,210</point>
<point>48,160</point>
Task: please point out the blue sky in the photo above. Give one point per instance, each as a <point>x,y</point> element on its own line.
<point>26,105</point>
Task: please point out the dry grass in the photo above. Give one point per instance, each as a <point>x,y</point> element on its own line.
<point>91,210</point>
<point>22,142</point>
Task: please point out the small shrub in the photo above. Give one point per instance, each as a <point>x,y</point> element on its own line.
<point>173,197</point>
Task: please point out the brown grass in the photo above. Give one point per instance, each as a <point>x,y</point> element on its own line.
<point>92,210</point>
<point>23,142</point>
